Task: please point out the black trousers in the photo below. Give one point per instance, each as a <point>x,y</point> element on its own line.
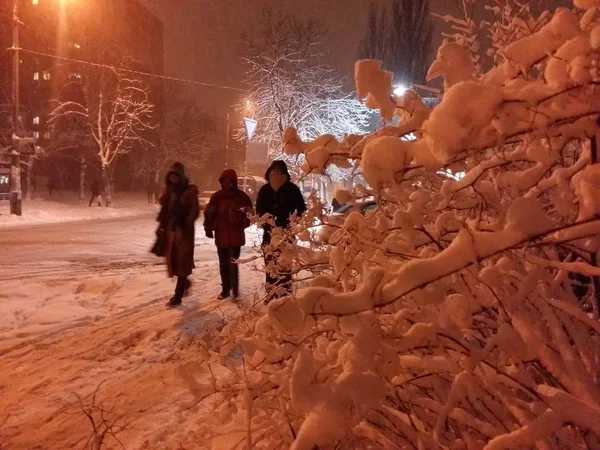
<point>230,272</point>
<point>94,197</point>
<point>277,284</point>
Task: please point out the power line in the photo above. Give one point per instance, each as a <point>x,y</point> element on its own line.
<point>137,72</point>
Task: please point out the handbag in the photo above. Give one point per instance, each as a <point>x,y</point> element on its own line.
<point>160,245</point>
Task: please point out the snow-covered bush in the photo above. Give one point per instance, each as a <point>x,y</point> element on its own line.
<point>446,318</point>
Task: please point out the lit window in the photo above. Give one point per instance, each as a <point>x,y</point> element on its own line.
<point>36,76</point>
<point>36,120</point>
<point>46,75</point>
<point>47,135</point>
<point>36,134</point>
<point>35,2</point>
<point>76,45</point>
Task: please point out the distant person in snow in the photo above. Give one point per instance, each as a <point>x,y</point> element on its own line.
<point>178,213</point>
<point>96,191</point>
<point>225,219</point>
<point>335,204</point>
<point>281,199</point>
<point>51,186</point>
<point>150,190</point>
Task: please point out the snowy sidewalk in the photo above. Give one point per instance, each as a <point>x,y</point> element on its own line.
<point>68,208</point>
<point>82,305</point>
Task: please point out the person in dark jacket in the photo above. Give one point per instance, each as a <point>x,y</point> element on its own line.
<point>178,213</point>
<point>281,199</point>
<point>96,191</point>
<point>225,219</point>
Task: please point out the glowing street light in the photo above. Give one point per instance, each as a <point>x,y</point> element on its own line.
<point>400,90</point>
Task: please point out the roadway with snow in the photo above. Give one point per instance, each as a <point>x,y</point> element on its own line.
<point>82,306</point>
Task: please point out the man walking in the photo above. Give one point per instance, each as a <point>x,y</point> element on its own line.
<point>225,219</point>
<point>281,199</point>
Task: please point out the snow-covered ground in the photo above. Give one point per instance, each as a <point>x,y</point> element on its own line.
<point>82,305</point>
<point>66,207</point>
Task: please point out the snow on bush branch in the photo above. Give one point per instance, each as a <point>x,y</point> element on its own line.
<point>446,318</point>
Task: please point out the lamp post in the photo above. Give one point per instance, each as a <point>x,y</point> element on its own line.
<point>16,206</point>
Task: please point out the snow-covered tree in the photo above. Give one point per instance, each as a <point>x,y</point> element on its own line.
<point>292,84</point>
<point>399,34</point>
<point>114,108</point>
<point>447,318</point>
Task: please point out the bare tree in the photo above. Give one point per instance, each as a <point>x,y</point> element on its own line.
<point>116,111</point>
<point>399,34</point>
<point>291,84</point>
<point>188,135</point>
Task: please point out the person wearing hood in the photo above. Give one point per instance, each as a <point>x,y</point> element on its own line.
<point>281,199</point>
<point>225,219</point>
<point>179,210</point>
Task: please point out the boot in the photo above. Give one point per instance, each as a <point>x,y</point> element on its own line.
<point>188,288</point>
<point>223,295</point>
<point>174,302</point>
<point>180,290</point>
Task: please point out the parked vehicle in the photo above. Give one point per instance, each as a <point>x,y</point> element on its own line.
<point>251,185</point>
<point>336,219</point>
<point>204,198</point>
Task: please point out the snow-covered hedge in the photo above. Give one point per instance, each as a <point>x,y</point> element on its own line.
<point>446,318</point>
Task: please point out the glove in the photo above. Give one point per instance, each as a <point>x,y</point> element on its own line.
<point>210,234</point>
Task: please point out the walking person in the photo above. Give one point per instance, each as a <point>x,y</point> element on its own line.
<point>96,191</point>
<point>176,232</point>
<point>281,199</point>
<point>225,219</point>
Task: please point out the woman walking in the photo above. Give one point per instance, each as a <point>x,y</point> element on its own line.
<point>178,213</point>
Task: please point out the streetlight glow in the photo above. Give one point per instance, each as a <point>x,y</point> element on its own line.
<point>400,90</point>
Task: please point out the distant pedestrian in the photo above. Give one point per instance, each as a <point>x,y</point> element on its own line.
<point>178,213</point>
<point>151,190</point>
<point>225,219</point>
<point>335,204</point>
<point>282,199</point>
<point>96,193</point>
<point>51,186</point>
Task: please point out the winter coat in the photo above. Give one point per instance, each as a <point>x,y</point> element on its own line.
<point>281,204</point>
<point>227,214</point>
<point>96,190</point>
<point>179,210</point>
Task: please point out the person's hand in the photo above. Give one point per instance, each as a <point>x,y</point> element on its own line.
<point>160,231</point>
<point>210,234</point>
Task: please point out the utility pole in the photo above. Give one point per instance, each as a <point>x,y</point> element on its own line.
<point>16,201</point>
<point>227,142</point>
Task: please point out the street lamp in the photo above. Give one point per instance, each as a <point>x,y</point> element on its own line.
<point>400,90</point>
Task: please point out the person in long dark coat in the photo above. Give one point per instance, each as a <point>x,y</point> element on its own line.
<point>281,199</point>
<point>225,219</point>
<point>178,213</point>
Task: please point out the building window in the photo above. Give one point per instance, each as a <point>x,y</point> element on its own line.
<point>36,134</point>
<point>46,75</point>
<point>47,135</point>
<point>36,120</point>
<point>36,76</point>
<point>35,2</point>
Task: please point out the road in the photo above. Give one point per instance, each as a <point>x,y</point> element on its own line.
<point>82,306</point>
